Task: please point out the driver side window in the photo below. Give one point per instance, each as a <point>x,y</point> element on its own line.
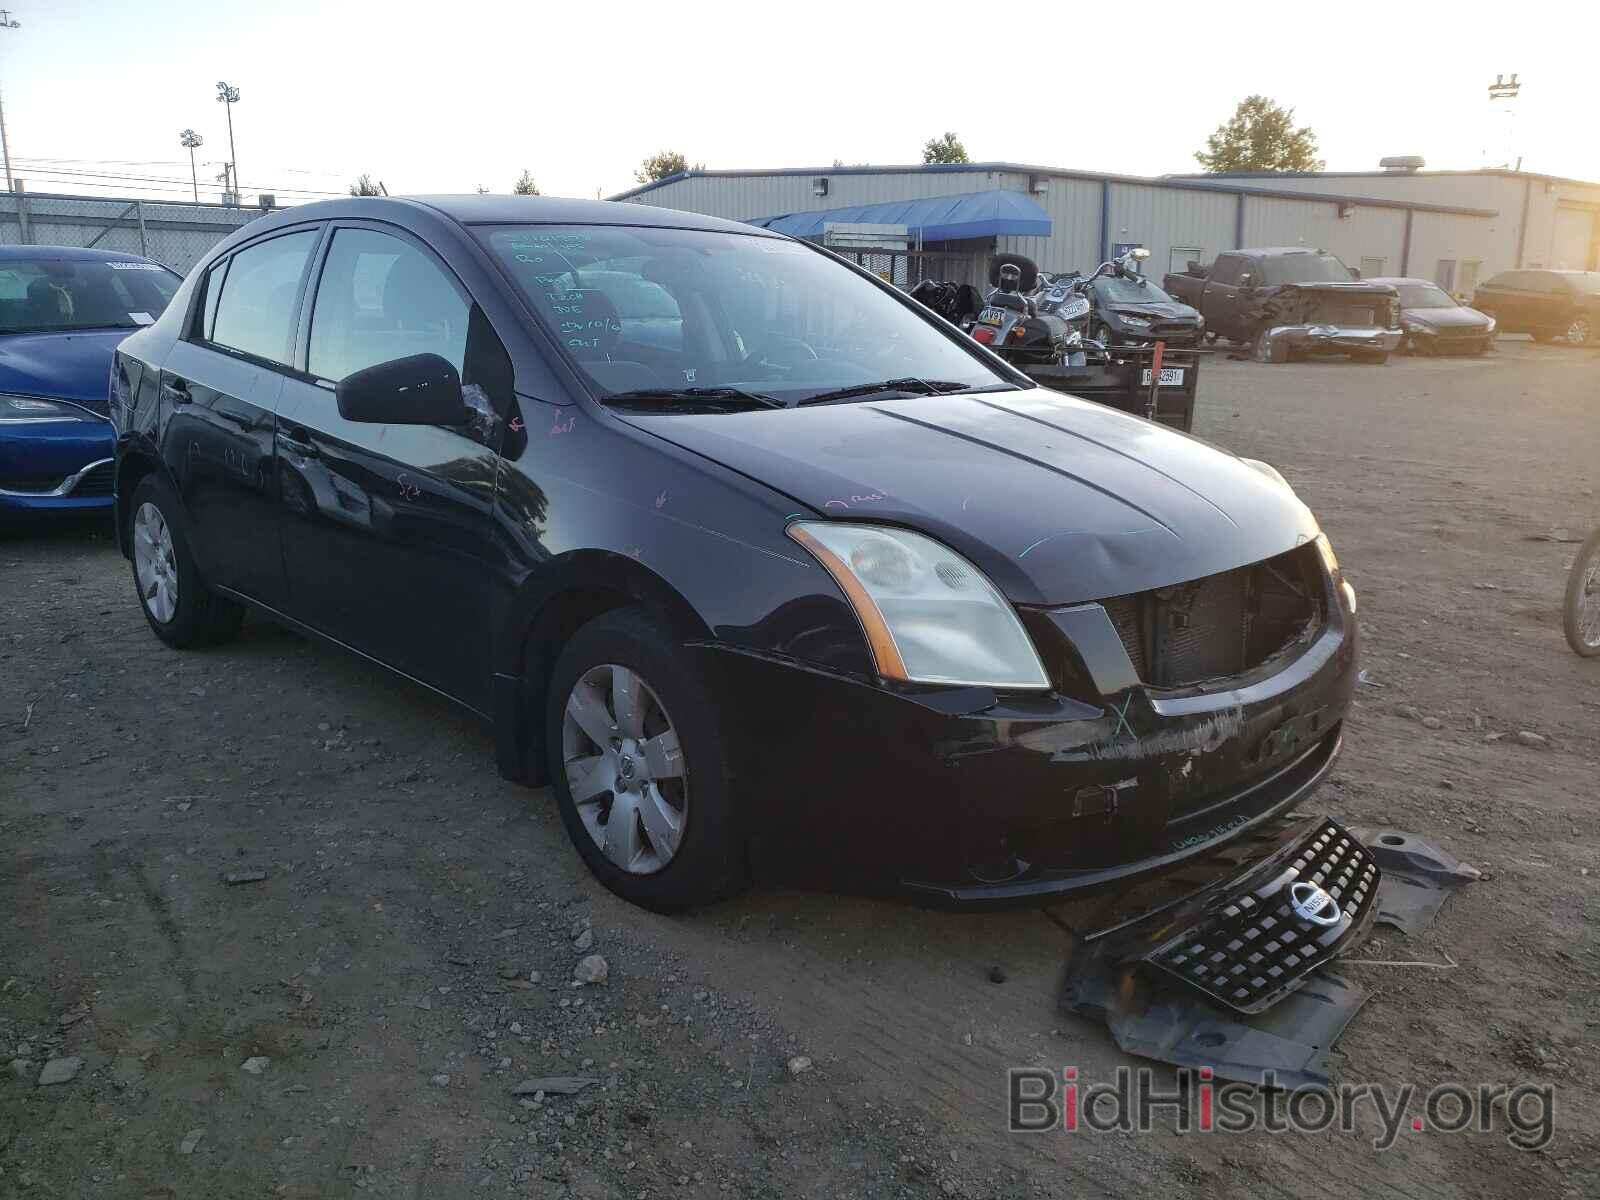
<point>381,298</point>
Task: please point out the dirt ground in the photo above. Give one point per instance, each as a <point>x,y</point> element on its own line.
<point>407,958</point>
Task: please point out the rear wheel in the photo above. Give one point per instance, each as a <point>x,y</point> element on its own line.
<point>639,766</point>
<point>1581,331</point>
<point>182,611</point>
<point>1583,600</point>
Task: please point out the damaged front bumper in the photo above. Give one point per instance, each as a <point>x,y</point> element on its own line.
<point>1276,343</point>
<point>965,797</point>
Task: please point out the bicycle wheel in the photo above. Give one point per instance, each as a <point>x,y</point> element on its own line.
<point>1583,599</point>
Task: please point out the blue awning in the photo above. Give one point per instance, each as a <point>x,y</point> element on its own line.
<point>993,213</point>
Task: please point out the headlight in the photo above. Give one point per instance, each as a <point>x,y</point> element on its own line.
<point>929,615</point>
<point>1134,322</point>
<point>19,410</point>
<point>1492,325</point>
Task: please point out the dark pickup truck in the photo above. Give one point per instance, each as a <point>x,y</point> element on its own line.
<point>1289,301</point>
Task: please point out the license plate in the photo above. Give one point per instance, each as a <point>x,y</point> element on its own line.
<point>1170,377</point>
<point>992,316</point>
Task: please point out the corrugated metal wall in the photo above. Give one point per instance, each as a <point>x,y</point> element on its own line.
<point>1364,233</point>
<point>1166,218</point>
<point>1186,219</point>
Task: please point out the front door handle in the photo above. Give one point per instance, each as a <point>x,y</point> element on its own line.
<point>296,441</point>
<point>176,390</point>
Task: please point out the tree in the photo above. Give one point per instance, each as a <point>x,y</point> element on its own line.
<point>1260,137</point>
<point>364,186</point>
<point>946,149</point>
<point>662,164</point>
<point>525,186</point>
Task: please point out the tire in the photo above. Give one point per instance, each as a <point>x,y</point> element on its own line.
<point>1584,582</point>
<point>703,859</point>
<point>183,611</point>
<point>1543,335</point>
<point>1581,331</point>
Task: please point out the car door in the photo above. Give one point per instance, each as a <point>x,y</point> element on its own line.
<point>1222,291</point>
<point>220,386</point>
<point>386,528</point>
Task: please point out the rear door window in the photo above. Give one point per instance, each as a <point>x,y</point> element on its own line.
<point>255,313</point>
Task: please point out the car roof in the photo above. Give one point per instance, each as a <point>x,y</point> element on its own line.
<point>514,210</point>
<point>68,254</point>
<point>1399,279</point>
<point>1278,250</point>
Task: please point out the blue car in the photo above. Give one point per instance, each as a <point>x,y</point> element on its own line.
<point>63,310</point>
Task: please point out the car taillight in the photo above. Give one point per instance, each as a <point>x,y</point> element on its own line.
<point>983,334</point>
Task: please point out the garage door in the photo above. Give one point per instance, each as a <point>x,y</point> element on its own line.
<point>1571,245</point>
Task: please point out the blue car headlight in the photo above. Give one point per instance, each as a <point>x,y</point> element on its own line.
<point>25,410</point>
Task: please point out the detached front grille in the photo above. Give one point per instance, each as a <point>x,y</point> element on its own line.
<point>1222,624</point>
<point>1246,953</point>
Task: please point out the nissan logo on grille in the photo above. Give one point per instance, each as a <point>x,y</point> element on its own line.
<point>1313,904</point>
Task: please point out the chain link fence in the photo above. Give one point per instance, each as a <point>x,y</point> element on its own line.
<point>174,235</point>
<point>907,268</point>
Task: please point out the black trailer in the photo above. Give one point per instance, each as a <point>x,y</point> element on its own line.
<point>1123,380</point>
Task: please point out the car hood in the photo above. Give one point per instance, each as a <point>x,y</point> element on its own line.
<point>1156,308</point>
<point>1339,287</point>
<point>1057,499</point>
<point>60,366</point>
<point>1446,318</point>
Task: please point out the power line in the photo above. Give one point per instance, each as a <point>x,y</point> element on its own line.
<point>55,173</point>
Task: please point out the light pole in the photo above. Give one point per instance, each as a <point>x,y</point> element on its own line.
<point>193,141</point>
<point>5,149</point>
<point>228,97</point>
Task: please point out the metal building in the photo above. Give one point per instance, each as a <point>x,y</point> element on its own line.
<point>1455,227</point>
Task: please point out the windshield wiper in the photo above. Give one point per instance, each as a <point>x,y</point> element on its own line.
<point>698,394</point>
<point>921,387</point>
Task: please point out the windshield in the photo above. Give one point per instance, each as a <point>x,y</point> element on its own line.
<point>669,310</point>
<point>1304,268</point>
<point>1423,295</point>
<point>1115,290</point>
<point>60,294</point>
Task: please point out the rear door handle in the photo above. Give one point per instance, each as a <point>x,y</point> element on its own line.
<point>176,390</point>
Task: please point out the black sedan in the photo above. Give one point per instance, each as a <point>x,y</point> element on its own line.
<point>1134,311</point>
<point>744,553</point>
<point>1435,322</point>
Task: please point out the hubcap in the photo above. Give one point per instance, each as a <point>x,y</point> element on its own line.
<point>1578,331</point>
<point>154,565</point>
<point>625,769</point>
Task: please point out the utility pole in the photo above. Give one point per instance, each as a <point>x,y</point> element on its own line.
<point>228,97</point>
<point>5,147</point>
<point>193,141</point>
<point>1503,94</point>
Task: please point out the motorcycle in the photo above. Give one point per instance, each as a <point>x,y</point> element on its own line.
<point>1027,323</point>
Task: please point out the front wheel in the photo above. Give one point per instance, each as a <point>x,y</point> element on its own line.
<point>1581,331</point>
<point>1583,600</point>
<point>640,768</point>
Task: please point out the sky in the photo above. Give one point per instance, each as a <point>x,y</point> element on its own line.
<point>448,97</point>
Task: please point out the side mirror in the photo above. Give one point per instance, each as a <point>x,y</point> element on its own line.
<point>421,389</point>
<point>1246,279</point>
<point>1139,253</point>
